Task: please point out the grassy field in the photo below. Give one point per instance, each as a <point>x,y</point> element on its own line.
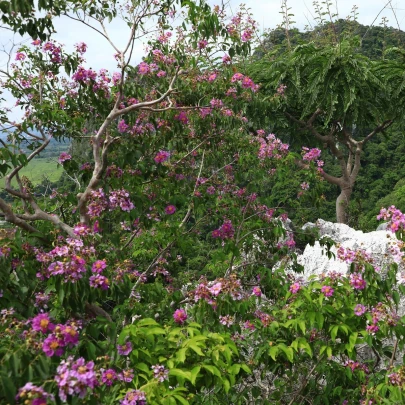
<point>41,168</point>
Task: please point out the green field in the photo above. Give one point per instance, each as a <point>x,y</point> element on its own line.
<point>41,168</point>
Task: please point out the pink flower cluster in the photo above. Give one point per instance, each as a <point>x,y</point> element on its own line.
<point>227,320</point>
<point>71,263</point>
<point>162,156</point>
<point>99,203</point>
<point>395,218</point>
<point>31,394</point>
<point>75,378</point>
<point>271,147</point>
<point>225,231</point>
<point>245,81</point>
<point>355,365</point>
<point>60,336</point>
<point>209,291</point>
<point>310,155</point>
<point>134,397</point>
<point>63,157</point>
<point>160,372</point>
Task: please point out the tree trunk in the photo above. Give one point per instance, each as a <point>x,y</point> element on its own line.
<point>342,204</point>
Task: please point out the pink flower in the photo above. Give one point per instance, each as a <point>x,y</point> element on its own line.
<point>20,56</point>
<point>37,42</point>
<point>327,290</point>
<point>294,288</point>
<point>81,47</point>
<point>216,289</point>
<point>257,291</point>
<point>124,349</point>
<point>99,281</point>
<point>42,323</point>
<point>122,126</point>
<point>170,209</point>
<point>305,186</point>
<point>359,309</point>
<point>108,377</point>
<point>180,316</point>
<point>202,43</point>
<point>162,156</point>
<point>143,68</point>
<point>160,372</point>
<point>161,73</point>
<point>63,157</point>
<point>98,266</point>
<point>126,375</point>
<point>53,346</point>
<point>357,281</point>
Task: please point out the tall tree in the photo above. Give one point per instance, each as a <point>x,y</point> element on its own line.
<point>333,97</point>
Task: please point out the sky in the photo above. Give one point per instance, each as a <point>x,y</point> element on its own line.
<point>265,12</point>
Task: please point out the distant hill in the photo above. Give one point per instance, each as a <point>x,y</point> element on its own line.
<point>374,40</point>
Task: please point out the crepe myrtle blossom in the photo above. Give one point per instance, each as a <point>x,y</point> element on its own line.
<point>99,281</point>
<point>75,378</point>
<point>257,291</point>
<point>294,288</point>
<point>359,309</point>
<point>20,56</point>
<point>170,209</point>
<point>98,266</point>
<point>109,376</point>
<point>124,349</point>
<point>180,316</point>
<point>31,394</point>
<point>162,156</point>
<point>63,157</point>
<point>160,372</point>
<point>134,397</point>
<point>126,375</point>
<point>42,323</point>
<point>395,218</point>
<point>226,320</point>
<point>327,290</point>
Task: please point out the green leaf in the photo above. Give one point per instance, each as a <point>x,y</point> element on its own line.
<point>273,351</point>
<point>181,355</point>
<point>176,372</point>
<point>194,374</point>
<point>147,322</point>
<point>234,369</point>
<point>212,369</point>
<point>182,400</point>
<point>334,332</point>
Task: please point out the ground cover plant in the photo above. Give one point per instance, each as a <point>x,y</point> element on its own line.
<point>158,273</point>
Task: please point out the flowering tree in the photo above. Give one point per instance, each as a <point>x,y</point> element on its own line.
<point>160,274</point>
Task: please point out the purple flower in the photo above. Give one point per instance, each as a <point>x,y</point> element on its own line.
<point>170,209</point>
<point>327,290</point>
<point>215,289</point>
<point>160,373</point>
<point>63,157</point>
<point>122,126</point>
<point>126,375</point>
<point>124,349</point>
<point>98,266</point>
<point>31,392</point>
<point>42,323</point>
<point>75,377</point>
<point>180,316</point>
<point>357,281</point>
<point>99,281</point>
<point>257,291</point>
<point>294,288</point>
<point>53,346</point>
<point>134,397</point>
<point>162,156</point>
<point>109,376</point>
<point>20,56</point>
<point>359,309</point>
